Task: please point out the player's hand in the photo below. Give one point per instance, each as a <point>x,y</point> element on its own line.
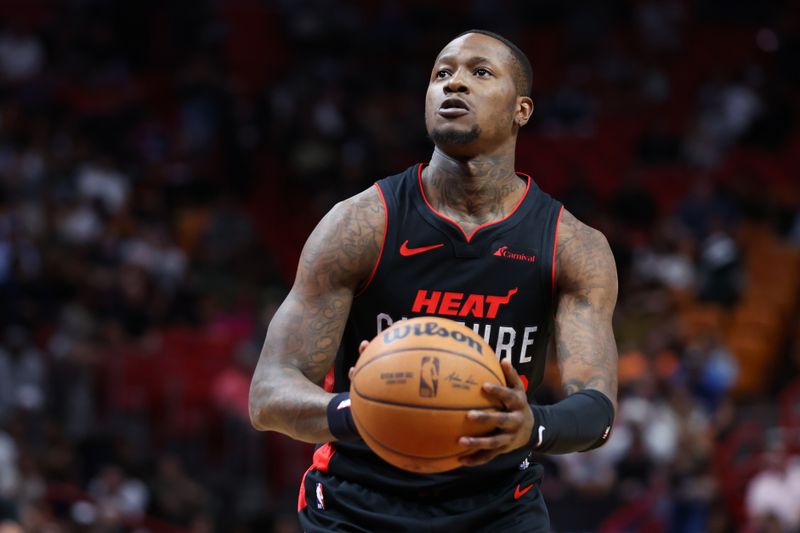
<point>361,348</point>
<point>513,426</point>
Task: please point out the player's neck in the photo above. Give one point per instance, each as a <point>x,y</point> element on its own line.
<point>481,189</point>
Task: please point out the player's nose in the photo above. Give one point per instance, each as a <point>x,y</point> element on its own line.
<point>456,83</point>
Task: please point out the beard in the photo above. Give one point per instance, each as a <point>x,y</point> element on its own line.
<point>451,137</point>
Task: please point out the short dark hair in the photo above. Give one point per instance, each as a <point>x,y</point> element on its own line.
<point>522,71</point>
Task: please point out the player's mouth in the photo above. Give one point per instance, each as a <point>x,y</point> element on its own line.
<point>453,107</point>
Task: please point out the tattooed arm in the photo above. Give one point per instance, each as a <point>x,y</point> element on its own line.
<point>305,333</point>
<point>587,293</point>
<point>587,357</point>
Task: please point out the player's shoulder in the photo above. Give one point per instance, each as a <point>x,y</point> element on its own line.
<point>572,232</point>
<point>365,203</point>
<point>347,241</point>
<point>366,207</point>
<point>582,252</point>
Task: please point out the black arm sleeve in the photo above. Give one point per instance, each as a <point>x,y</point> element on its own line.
<point>578,423</point>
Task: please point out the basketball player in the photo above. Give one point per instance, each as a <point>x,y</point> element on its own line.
<point>465,227</point>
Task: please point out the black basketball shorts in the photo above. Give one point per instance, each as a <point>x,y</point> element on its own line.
<point>329,503</point>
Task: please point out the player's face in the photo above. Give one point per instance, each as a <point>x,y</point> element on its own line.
<point>472,103</point>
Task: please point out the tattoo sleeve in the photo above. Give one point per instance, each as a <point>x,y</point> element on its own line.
<point>304,334</point>
<point>587,293</point>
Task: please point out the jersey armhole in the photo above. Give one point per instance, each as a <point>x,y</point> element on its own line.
<point>383,242</point>
<point>555,248</point>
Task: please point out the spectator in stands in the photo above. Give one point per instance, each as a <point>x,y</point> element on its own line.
<point>635,468</point>
<point>9,474</point>
<point>100,180</point>
<point>31,486</point>
<point>177,498</point>
<point>705,208</point>
<point>726,109</point>
<point>119,499</point>
<point>22,373</point>
<point>669,258</point>
<point>773,495</point>
<point>692,484</point>
<point>709,370</point>
<point>21,54</point>
<point>720,275</point>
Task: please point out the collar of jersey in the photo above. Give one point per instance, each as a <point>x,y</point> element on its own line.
<point>453,223</point>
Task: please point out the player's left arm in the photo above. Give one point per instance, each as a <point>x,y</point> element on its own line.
<point>587,294</point>
<point>586,353</point>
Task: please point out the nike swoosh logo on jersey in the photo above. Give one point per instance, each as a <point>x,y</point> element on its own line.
<point>405,251</point>
<point>520,492</point>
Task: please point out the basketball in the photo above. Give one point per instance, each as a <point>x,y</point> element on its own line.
<point>412,388</point>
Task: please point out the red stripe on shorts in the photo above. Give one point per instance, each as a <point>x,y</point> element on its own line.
<point>321,460</point>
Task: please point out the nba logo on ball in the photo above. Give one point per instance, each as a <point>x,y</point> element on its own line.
<point>415,423</point>
<point>429,377</point>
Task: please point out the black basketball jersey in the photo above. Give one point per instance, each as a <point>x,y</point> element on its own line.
<point>498,280</point>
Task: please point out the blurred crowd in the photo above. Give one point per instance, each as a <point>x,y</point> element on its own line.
<point>162,163</point>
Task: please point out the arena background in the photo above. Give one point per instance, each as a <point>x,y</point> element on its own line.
<point>161,164</point>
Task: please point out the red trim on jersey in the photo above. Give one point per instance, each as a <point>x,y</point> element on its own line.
<point>456,224</point>
<point>383,242</point>
<point>321,460</point>
<point>322,457</point>
<point>555,247</point>
<point>330,381</point>
<point>301,497</point>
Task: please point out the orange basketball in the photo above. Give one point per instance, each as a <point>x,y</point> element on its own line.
<point>413,386</point>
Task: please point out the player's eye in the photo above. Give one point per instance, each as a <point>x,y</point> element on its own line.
<point>441,74</point>
<point>482,72</point>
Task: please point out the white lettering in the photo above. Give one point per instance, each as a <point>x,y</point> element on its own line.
<point>504,345</point>
<point>384,321</point>
<point>503,339</point>
<point>527,340</point>
<point>487,331</point>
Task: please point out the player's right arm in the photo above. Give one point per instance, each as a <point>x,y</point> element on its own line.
<point>304,335</point>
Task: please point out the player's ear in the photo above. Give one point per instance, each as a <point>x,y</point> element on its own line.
<point>524,110</point>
